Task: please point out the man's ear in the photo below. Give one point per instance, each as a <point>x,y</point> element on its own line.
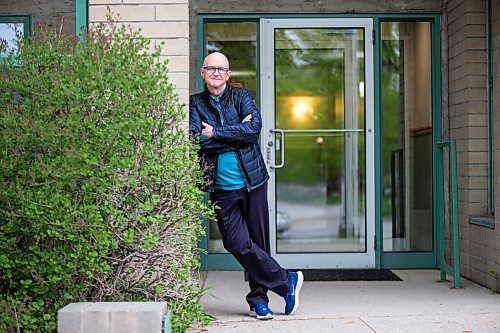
<point>228,75</point>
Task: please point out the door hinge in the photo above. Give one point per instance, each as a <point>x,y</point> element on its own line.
<point>373,36</point>
<point>375,242</point>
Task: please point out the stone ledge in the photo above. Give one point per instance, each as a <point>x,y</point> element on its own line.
<point>114,317</point>
<point>484,221</point>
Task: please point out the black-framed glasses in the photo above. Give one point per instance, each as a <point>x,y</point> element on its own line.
<point>212,70</point>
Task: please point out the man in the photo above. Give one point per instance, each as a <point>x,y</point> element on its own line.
<point>227,124</point>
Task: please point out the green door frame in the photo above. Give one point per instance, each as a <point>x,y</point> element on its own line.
<point>24,19</point>
<point>383,259</point>
<point>411,259</point>
<point>81,16</point>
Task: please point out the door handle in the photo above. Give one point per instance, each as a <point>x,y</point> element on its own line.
<point>281,147</point>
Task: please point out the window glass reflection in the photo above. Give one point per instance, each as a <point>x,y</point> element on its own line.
<point>320,205</point>
<point>9,34</point>
<point>407,136</point>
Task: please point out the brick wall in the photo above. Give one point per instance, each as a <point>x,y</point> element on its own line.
<point>43,11</point>
<point>468,126</point>
<point>161,21</point>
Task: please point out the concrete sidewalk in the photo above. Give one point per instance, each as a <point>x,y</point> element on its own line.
<point>416,304</point>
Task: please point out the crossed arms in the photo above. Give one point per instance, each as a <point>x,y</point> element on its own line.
<point>214,138</point>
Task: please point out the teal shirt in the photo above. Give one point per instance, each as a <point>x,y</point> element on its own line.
<point>229,175</point>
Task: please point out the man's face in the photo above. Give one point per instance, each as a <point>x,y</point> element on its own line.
<point>215,70</point>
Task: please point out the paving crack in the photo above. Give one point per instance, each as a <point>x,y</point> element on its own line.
<point>364,322</point>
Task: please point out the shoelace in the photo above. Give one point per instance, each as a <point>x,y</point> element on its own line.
<point>261,307</point>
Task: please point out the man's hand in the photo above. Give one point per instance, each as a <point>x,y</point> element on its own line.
<point>247,118</point>
<point>207,130</point>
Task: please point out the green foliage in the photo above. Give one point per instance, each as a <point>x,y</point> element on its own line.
<point>187,313</point>
<point>98,196</point>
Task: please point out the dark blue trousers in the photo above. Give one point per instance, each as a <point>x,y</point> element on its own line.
<point>243,221</point>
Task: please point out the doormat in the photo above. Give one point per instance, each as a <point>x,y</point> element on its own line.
<point>350,275</point>
<point>347,275</point>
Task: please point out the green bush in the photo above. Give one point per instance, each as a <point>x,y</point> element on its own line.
<point>98,196</point>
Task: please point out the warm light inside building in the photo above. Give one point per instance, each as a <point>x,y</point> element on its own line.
<point>302,106</point>
<point>301,109</point>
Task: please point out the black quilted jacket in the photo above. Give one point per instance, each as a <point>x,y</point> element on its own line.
<point>236,104</point>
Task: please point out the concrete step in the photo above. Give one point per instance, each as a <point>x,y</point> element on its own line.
<point>114,317</point>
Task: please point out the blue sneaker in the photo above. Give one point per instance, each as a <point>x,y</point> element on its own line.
<point>292,298</point>
<point>261,311</point>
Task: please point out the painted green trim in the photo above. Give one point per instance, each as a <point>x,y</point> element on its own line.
<point>203,242</point>
<point>408,260</point>
<point>391,17</point>
<point>24,19</point>
<point>377,63</point>
<point>200,53</point>
<point>167,322</point>
<point>443,266</point>
<point>440,211</point>
<point>81,17</point>
<point>27,25</point>
<point>454,215</point>
<point>484,221</point>
<point>437,204</point>
<point>489,93</point>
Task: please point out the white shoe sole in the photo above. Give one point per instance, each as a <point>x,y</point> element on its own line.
<point>252,313</point>
<point>300,281</point>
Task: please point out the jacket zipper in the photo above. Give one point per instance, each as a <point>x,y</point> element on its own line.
<point>238,157</point>
<point>243,170</point>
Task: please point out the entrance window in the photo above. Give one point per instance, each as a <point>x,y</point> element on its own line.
<point>406,136</point>
<point>238,41</point>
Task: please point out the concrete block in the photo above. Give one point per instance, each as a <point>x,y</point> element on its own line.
<point>478,183</point>
<point>478,120</point>
<point>159,29</point>
<point>173,47</point>
<point>70,318</point>
<point>125,13</point>
<point>180,80</point>
<point>112,317</point>
<point>183,96</point>
<point>176,64</point>
<point>172,12</point>
<point>96,317</point>
<point>156,1</point>
<point>137,317</point>
<point>104,2</point>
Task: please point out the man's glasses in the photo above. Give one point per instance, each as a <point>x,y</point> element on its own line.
<point>212,70</point>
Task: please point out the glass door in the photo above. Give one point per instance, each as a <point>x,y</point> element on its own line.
<point>318,141</point>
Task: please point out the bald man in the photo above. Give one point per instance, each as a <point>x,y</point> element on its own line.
<point>226,124</point>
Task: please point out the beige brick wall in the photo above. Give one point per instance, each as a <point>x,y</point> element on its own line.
<point>162,21</point>
<point>467,104</point>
